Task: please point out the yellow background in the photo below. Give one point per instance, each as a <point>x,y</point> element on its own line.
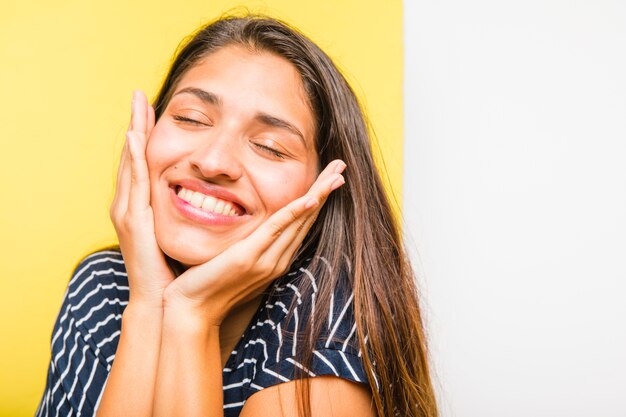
<point>67,72</point>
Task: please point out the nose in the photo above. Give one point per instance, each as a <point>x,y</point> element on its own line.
<point>218,157</point>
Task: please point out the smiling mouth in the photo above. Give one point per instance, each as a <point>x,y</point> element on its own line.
<point>208,203</point>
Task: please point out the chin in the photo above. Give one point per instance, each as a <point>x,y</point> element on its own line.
<point>187,256</point>
<point>185,251</point>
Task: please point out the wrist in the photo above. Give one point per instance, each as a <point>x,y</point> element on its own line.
<point>142,312</point>
<point>198,312</point>
<point>186,321</point>
<point>146,300</point>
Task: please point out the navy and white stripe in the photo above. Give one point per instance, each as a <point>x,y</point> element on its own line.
<point>86,335</point>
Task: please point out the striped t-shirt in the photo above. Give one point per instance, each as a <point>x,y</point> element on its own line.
<point>87,330</point>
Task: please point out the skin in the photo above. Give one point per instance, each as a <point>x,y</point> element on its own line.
<point>230,145</point>
<point>177,331</point>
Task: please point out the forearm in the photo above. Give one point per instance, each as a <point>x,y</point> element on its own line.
<point>189,380</point>
<point>130,387</point>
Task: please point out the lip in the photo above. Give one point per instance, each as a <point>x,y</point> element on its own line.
<point>205,217</point>
<point>212,190</point>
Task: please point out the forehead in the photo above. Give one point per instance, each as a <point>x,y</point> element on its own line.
<point>251,81</point>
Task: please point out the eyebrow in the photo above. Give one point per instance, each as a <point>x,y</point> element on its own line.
<point>203,95</point>
<point>272,121</point>
<point>264,118</point>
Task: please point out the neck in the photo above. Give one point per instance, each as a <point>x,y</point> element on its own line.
<point>235,324</point>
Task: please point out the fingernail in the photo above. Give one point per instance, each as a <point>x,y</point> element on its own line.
<point>340,167</point>
<point>337,183</point>
<point>136,95</point>
<point>311,203</point>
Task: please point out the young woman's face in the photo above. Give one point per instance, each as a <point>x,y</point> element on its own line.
<point>234,145</point>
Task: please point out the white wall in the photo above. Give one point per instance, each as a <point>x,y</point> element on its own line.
<point>515,198</point>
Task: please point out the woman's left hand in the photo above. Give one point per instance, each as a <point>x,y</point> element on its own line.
<point>246,268</point>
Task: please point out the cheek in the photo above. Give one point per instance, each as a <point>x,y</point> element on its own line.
<point>161,149</point>
<point>281,189</point>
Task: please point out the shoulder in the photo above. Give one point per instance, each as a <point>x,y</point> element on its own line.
<point>100,274</point>
<point>98,287</point>
<point>93,303</point>
<point>85,334</point>
<point>329,396</point>
<point>104,267</point>
<point>296,309</point>
<point>97,291</point>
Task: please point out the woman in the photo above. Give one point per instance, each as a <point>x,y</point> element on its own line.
<point>255,280</point>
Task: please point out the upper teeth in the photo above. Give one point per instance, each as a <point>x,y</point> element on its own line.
<point>207,202</point>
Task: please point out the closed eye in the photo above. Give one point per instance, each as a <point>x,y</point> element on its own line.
<point>184,119</point>
<point>269,150</point>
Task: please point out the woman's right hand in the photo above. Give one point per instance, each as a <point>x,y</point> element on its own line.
<point>132,216</point>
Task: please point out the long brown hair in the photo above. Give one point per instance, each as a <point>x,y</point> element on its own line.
<point>356,218</point>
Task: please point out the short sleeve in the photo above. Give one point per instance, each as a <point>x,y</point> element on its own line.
<point>336,351</point>
<point>325,362</point>
<point>85,335</point>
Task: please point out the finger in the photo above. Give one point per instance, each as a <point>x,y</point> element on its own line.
<point>124,171</point>
<point>139,109</point>
<point>274,227</point>
<point>328,180</point>
<point>286,245</point>
<point>122,186</point>
<point>286,257</point>
<point>120,169</point>
<point>290,239</point>
<point>288,220</point>
<point>139,195</point>
<point>151,121</point>
<point>319,189</point>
